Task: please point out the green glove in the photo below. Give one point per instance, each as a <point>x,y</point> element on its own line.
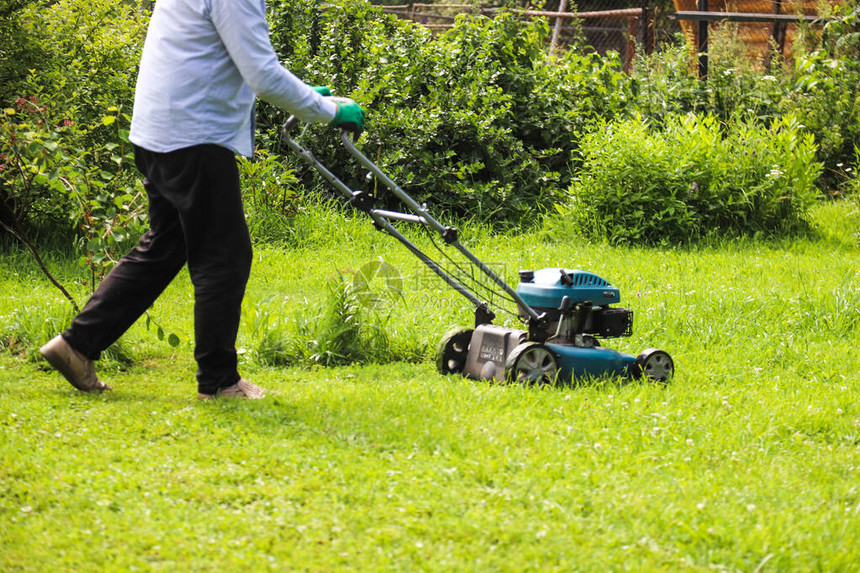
<point>322,90</point>
<point>349,116</point>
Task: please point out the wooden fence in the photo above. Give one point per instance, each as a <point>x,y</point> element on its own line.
<point>764,26</point>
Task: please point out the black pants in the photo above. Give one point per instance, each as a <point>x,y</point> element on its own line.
<point>195,216</point>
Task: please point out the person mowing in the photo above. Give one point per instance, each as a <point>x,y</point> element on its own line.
<point>203,63</point>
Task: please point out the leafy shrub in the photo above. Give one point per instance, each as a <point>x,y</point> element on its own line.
<point>478,122</point>
<point>90,51</point>
<point>841,34</point>
<point>738,84</point>
<point>693,177</point>
<point>851,190</point>
<point>826,94</point>
<point>270,198</point>
<point>30,154</point>
<point>666,83</point>
<point>65,159</point>
<point>19,50</point>
<point>852,186</point>
<point>51,184</point>
<point>822,89</point>
<point>74,103</point>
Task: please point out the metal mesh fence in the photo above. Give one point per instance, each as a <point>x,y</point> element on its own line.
<point>627,26</point>
<point>622,26</point>
<point>650,27</point>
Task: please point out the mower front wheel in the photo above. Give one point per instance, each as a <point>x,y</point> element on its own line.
<point>531,363</point>
<point>654,364</point>
<point>453,350</point>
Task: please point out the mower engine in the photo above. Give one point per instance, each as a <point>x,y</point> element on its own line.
<point>576,306</point>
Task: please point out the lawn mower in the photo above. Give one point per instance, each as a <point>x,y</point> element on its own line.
<point>565,312</point>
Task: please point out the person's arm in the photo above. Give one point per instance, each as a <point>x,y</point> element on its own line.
<point>244,30</point>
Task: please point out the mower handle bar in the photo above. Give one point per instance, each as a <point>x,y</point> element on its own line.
<point>420,215</point>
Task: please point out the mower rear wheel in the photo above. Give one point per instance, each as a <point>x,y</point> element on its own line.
<point>531,363</point>
<point>654,364</point>
<point>453,350</point>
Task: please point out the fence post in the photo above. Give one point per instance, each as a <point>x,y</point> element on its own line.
<point>643,26</point>
<point>778,33</point>
<point>702,48</point>
<point>630,48</point>
<point>562,7</point>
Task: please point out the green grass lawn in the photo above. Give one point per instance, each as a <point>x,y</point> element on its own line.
<point>748,461</point>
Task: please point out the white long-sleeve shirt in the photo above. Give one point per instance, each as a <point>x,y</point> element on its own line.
<point>203,62</point>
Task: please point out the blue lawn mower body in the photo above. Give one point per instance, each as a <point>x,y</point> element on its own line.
<point>575,313</point>
<point>565,312</point>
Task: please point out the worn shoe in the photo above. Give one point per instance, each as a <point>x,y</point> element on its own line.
<point>241,389</point>
<point>74,366</point>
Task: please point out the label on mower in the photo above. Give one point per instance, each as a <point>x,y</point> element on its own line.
<point>492,353</point>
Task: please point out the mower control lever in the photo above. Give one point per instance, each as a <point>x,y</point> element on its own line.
<point>538,327</point>
<point>563,320</point>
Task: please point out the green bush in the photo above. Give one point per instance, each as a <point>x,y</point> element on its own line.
<point>821,88</point>
<point>19,49</point>
<point>666,83</point>
<point>50,185</point>
<point>693,177</point>
<point>478,123</point>
<point>65,160</point>
<point>826,95</point>
<point>738,86</point>
<point>853,184</point>
<point>270,197</point>
<point>851,190</point>
<point>90,52</point>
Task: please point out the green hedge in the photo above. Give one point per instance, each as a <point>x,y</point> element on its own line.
<point>479,122</point>
<point>693,177</point>
<point>66,172</point>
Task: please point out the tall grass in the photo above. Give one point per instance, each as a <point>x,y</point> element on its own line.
<point>340,330</point>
